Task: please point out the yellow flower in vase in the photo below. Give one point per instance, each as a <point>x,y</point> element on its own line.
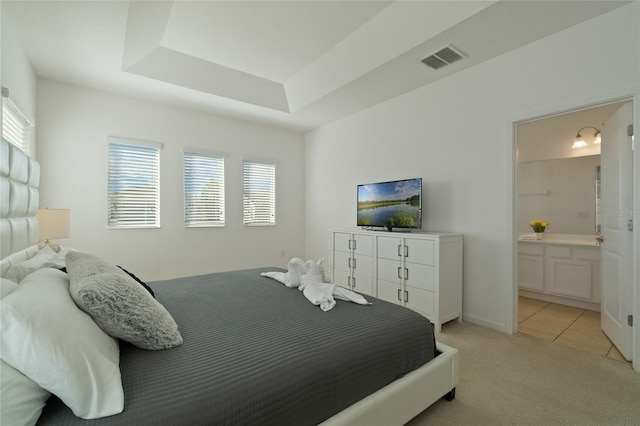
<point>539,225</point>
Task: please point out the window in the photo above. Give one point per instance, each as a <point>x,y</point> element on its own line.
<point>134,184</point>
<point>203,189</point>
<point>16,127</point>
<point>259,193</point>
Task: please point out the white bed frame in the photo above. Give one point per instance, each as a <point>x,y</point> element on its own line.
<point>395,404</point>
<point>405,398</point>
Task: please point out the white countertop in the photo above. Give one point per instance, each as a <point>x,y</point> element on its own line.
<point>562,239</point>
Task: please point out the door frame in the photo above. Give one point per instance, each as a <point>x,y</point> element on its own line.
<point>511,273</point>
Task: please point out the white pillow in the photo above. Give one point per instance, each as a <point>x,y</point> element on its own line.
<point>6,287</point>
<point>20,270</point>
<point>22,399</point>
<point>58,261</point>
<point>66,352</point>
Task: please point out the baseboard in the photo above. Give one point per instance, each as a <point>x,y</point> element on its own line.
<point>484,323</point>
<point>560,300</point>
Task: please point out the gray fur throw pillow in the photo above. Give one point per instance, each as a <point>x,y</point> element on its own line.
<point>118,304</point>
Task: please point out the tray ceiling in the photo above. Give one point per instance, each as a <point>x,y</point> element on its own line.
<point>295,64</point>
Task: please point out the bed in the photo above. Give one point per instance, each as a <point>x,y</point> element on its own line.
<point>253,350</point>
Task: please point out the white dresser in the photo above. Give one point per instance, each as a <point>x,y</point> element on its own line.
<point>353,261</point>
<point>422,271</point>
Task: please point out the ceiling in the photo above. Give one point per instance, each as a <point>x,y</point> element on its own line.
<point>294,64</point>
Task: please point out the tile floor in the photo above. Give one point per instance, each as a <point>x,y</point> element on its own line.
<point>575,327</point>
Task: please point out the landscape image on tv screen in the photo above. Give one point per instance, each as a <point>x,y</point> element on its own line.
<point>396,204</point>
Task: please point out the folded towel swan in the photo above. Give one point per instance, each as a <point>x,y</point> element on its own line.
<point>291,278</point>
<point>308,277</point>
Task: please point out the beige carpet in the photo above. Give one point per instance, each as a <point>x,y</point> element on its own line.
<point>523,380</point>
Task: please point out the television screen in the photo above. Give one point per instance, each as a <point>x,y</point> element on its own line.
<point>396,204</point>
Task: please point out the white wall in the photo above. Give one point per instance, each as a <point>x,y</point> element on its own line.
<point>18,76</point>
<point>457,135</point>
<point>73,123</point>
<point>570,204</point>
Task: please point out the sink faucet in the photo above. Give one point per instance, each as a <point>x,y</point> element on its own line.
<point>599,239</point>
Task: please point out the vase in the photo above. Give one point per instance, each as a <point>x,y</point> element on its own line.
<point>539,235</point>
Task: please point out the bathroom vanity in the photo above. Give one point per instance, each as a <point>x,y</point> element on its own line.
<point>560,268</point>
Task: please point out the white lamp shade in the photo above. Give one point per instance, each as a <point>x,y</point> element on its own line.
<point>54,223</point>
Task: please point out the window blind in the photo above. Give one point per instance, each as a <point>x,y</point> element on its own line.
<point>259,186</point>
<point>134,184</point>
<point>203,189</point>
<point>16,128</point>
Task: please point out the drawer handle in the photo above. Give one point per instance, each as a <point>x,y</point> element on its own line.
<point>354,263</point>
<point>406,274</point>
<point>354,244</point>
<point>406,296</point>
<point>399,254</point>
<point>354,283</point>
<point>399,295</point>
<point>399,276</point>
<point>406,251</point>
<point>349,262</point>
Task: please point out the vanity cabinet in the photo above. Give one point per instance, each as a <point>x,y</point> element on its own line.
<point>574,272</point>
<point>418,270</point>
<point>353,262</point>
<point>531,267</point>
<point>561,273</point>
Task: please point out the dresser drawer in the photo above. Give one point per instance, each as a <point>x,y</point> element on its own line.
<point>420,300</point>
<point>341,242</point>
<point>362,265</point>
<point>388,270</point>
<point>362,284</point>
<point>341,261</point>
<point>390,248</point>
<point>419,251</point>
<point>419,276</point>
<point>362,244</point>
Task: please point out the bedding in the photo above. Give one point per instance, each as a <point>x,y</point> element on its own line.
<point>21,398</point>
<point>256,352</point>
<point>7,286</point>
<point>41,326</point>
<point>139,281</point>
<point>20,270</point>
<point>119,304</point>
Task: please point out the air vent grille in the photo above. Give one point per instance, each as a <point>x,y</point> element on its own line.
<point>445,56</point>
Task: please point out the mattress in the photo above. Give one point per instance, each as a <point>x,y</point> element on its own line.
<point>257,352</point>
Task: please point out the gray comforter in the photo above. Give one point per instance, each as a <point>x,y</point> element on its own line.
<point>257,352</point>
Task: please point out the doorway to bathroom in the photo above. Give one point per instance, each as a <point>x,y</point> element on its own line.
<point>559,183</point>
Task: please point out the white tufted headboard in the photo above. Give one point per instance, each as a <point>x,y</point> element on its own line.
<point>19,199</point>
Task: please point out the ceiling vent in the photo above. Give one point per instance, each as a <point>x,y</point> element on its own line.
<point>445,56</point>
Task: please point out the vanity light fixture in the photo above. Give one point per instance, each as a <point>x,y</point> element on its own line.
<point>598,138</point>
<point>579,141</point>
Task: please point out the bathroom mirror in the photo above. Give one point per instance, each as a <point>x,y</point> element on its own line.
<point>564,192</point>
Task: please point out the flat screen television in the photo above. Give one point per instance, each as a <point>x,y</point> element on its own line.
<point>394,204</point>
